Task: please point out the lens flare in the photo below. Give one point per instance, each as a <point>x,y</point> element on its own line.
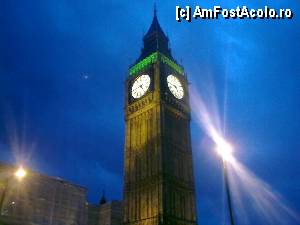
<point>255,202</point>
<point>224,149</point>
<point>20,173</point>
<point>255,197</point>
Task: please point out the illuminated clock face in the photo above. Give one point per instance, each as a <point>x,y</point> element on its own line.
<point>175,86</point>
<point>140,86</point>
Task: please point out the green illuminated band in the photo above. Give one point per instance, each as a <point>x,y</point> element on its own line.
<point>172,64</point>
<point>142,64</point>
<point>152,59</point>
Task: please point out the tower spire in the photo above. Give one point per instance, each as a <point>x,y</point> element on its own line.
<point>155,39</point>
<point>103,200</point>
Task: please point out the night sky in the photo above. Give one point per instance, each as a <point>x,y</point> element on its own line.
<point>62,70</point>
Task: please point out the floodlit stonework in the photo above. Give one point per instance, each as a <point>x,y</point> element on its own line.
<point>159,181</point>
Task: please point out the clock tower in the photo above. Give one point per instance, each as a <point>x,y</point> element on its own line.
<point>159,182</point>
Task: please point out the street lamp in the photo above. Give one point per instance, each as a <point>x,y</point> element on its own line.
<point>20,173</point>
<point>224,149</point>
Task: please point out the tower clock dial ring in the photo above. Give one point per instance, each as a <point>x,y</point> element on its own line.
<point>140,86</point>
<point>175,86</point>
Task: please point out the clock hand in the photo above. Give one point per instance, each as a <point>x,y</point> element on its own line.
<point>174,86</point>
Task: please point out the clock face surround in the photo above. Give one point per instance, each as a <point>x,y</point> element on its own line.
<point>175,86</point>
<point>140,86</point>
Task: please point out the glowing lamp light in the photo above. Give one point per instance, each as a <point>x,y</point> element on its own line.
<point>224,149</point>
<point>20,173</point>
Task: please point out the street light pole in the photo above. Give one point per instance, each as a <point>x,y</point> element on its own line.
<point>3,194</point>
<point>224,149</point>
<point>228,194</point>
<point>19,174</point>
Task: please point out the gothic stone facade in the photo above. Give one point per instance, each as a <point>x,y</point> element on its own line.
<point>159,182</point>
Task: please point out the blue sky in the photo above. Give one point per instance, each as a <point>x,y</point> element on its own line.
<point>59,123</point>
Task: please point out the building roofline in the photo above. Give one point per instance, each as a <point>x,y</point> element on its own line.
<point>11,166</point>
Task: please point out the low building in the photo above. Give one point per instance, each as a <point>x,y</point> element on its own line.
<point>93,214</point>
<point>107,213</point>
<point>38,199</point>
<point>110,213</point>
<point>41,200</point>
